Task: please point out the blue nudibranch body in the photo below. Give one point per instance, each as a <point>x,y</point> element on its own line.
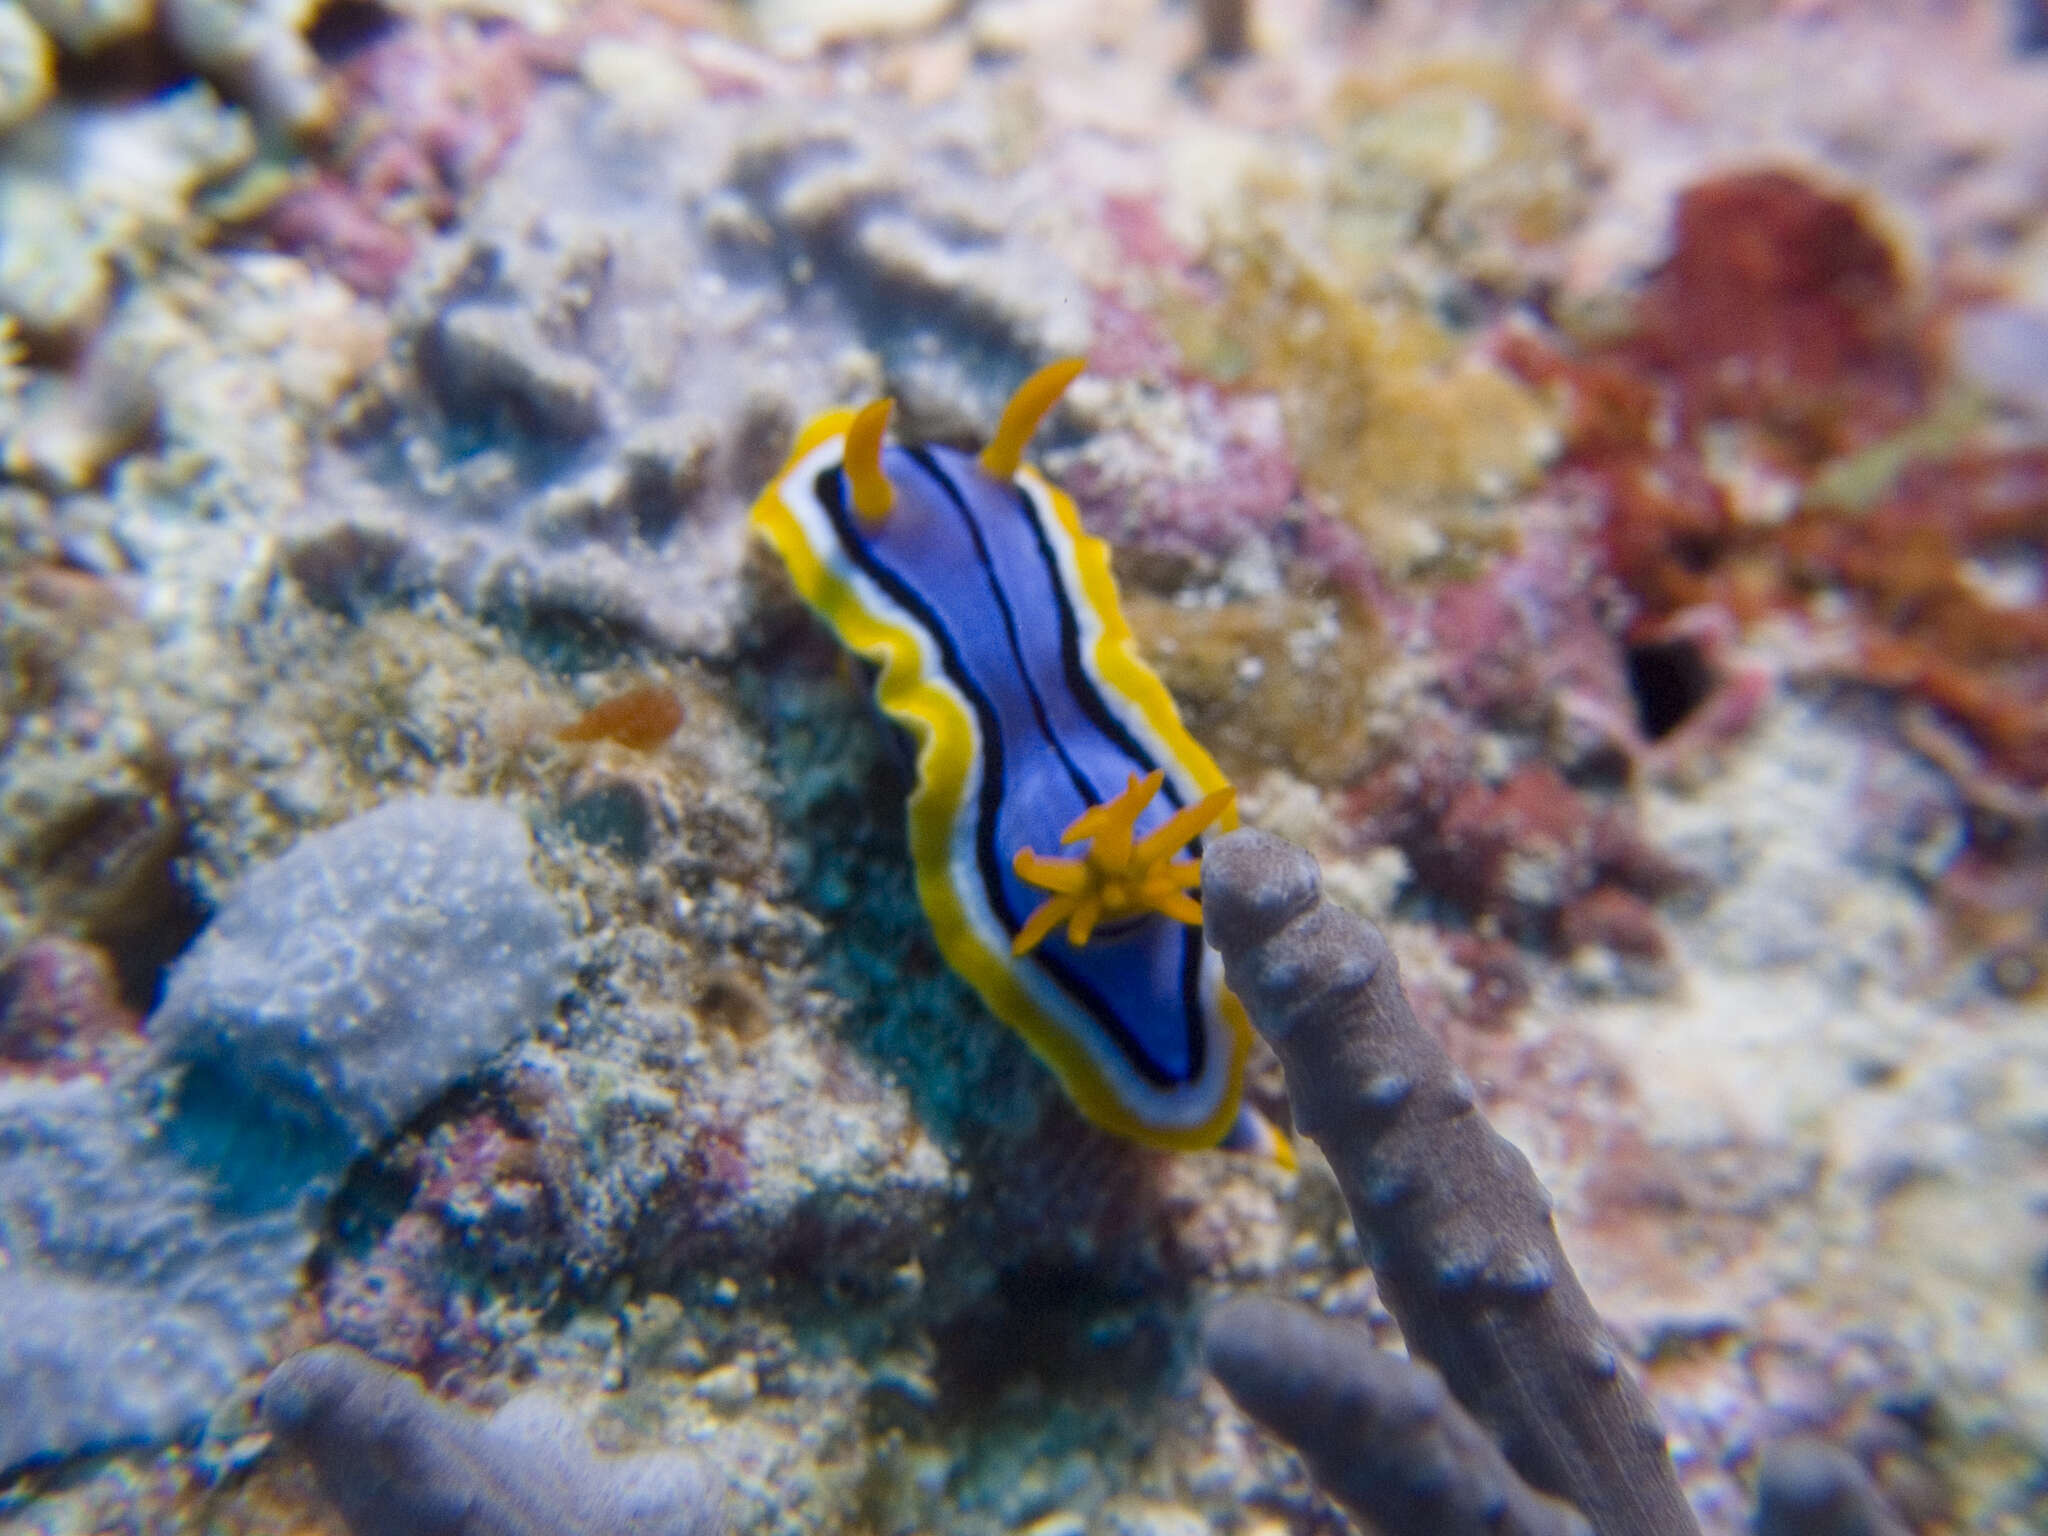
<point>1056,784</point>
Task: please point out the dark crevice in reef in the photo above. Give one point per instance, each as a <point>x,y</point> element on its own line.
<point>1058,1278</point>
<point>1067,1329</point>
<point>143,956</point>
<point>129,70</point>
<point>383,1185</point>
<point>350,571</point>
<point>1669,679</point>
<point>448,1220</point>
<point>112,869</point>
<point>344,28</point>
<point>374,1193</point>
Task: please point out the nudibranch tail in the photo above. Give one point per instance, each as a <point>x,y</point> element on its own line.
<point>1001,646</point>
<point>1117,879</point>
<point>1027,408</point>
<point>872,494</point>
<point>1256,1136</point>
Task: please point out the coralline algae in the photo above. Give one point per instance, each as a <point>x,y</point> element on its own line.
<point>153,1225</point>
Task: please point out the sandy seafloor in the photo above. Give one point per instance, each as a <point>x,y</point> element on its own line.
<point>1582,466</point>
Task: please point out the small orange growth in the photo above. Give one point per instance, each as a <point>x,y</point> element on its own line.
<point>1786,307</point>
<point>640,718</point>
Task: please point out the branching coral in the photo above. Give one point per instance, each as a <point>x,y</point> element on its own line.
<point>397,1462</point>
<point>1455,1225</point>
<point>1460,1239</point>
<point>1380,1433</point>
<point>1810,1488</point>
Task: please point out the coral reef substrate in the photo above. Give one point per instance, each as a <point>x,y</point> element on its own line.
<point>1583,481</point>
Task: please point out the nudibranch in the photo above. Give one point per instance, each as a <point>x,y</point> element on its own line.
<point>1057,819</point>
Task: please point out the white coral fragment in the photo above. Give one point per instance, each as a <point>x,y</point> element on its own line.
<point>26,61</point>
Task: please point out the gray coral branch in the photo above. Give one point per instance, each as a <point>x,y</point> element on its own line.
<point>1379,1433</point>
<point>1455,1225</point>
<point>398,1462</point>
<point>1810,1488</point>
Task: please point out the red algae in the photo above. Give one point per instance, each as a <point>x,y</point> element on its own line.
<point>641,719</point>
<point>325,220</point>
<point>1519,856</point>
<point>1608,917</point>
<point>1779,342</point>
<point>61,1011</point>
<point>397,1303</point>
<point>1913,581</point>
<point>1537,631</point>
<point>1138,492</point>
<point>428,110</point>
<point>1996,899</point>
<point>1920,574</point>
<point>1499,984</point>
<point>1128,343</point>
<point>1783,306</point>
<point>481,1209</point>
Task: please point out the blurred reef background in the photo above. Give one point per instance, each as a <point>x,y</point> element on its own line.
<point>1581,465</point>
